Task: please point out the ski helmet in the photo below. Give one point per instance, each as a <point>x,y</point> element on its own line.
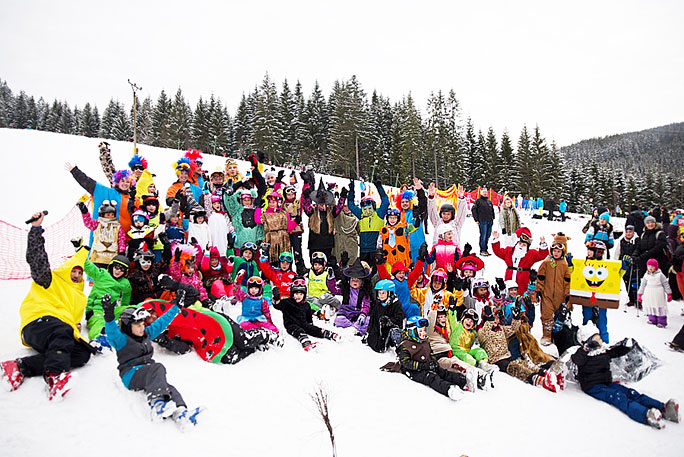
<point>510,284</point>
<point>131,315</point>
<point>480,283</point>
<point>448,208</point>
<point>470,314</point>
<point>256,281</point>
<point>366,201</point>
<point>413,323</point>
<point>320,258</point>
<point>140,216</point>
<point>438,274</point>
<point>385,284</point>
<point>249,246</point>
<point>298,285</point>
<point>393,212</point>
<point>150,200</point>
<point>286,256</point>
<point>197,212</point>
<point>121,262</point>
<point>107,207</point>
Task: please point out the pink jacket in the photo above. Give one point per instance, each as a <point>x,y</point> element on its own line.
<point>92,225</point>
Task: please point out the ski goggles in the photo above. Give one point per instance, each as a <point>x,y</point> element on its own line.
<point>422,323</point>
<point>365,203</point>
<point>557,245</point>
<point>255,281</point>
<point>525,238</point>
<point>140,314</point>
<point>299,282</point>
<point>318,256</point>
<point>249,245</point>
<point>137,168</point>
<point>286,257</point>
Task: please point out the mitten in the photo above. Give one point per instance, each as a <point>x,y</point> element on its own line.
<point>669,297</point>
<point>453,303</point>
<point>344,259</point>
<point>423,252</point>
<point>77,242</point>
<point>166,282</point>
<point>640,297</point>
<point>275,295</point>
<point>177,255</point>
<point>568,259</point>
<point>107,307</point>
<point>82,206</point>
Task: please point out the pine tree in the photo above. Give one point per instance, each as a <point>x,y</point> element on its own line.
<point>66,120</point>
<point>491,165</point>
<point>219,127</point>
<point>470,155</point>
<point>507,170</point>
<point>300,139</point>
<point>200,127</point>
<point>89,123</point>
<point>524,164</point>
<point>20,112</point>
<point>286,120</point>
<point>407,141</point>
<point>317,118</point>
<point>121,127</point>
<point>144,120</point>
<point>242,126</point>
<point>161,134</point>
<point>380,118</point>
<point>348,125</point>
<point>32,117</point>
<point>180,121</point>
<point>267,135</point>
<point>6,104</point>
<point>107,122</point>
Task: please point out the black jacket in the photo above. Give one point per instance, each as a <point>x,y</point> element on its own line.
<point>595,369</point>
<point>378,331</point>
<point>636,218</point>
<point>295,315</point>
<point>652,245</point>
<point>483,210</point>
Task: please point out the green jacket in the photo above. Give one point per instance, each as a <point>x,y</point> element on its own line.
<point>104,283</point>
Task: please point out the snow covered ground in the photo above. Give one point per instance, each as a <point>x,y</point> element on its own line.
<point>262,405</point>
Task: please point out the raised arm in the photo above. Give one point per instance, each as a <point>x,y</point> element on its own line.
<point>37,257</point>
<point>82,179</point>
<point>106,161</point>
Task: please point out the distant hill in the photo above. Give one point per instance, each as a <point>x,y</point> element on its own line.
<point>660,149</point>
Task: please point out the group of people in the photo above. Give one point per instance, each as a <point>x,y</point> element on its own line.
<point>220,240</point>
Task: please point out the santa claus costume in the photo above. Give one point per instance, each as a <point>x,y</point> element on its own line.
<point>520,258</point>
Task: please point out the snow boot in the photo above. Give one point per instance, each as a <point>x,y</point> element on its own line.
<point>455,393</point>
<point>275,339</point>
<point>547,328</point>
<point>483,380</point>
<point>544,381</point>
<point>674,346</point>
<point>59,384</point>
<point>186,418</point>
<point>160,409</point>
<point>11,374</point>
<point>671,412</point>
<point>471,381</point>
<point>306,343</point>
<point>336,337</point>
<point>654,418</point>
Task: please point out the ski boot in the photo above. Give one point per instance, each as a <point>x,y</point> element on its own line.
<point>674,346</point>
<point>455,393</point>
<point>654,418</point>
<point>471,381</point>
<point>11,374</point>
<point>336,337</point>
<point>489,369</point>
<point>59,384</point>
<point>306,343</point>
<point>671,412</point>
<point>186,418</point>
<point>160,409</point>
<point>483,380</point>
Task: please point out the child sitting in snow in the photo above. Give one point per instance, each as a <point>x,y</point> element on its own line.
<point>245,263</point>
<point>403,279</point>
<point>322,286</point>
<point>297,316</point>
<point>255,308</point>
<point>654,294</point>
<point>216,274</point>
<point>184,269</point>
<point>462,338</point>
<point>595,379</point>
<point>110,281</point>
<point>355,307</point>
<point>109,238</point>
<point>418,362</point>
<point>386,317</point>
<point>138,371</point>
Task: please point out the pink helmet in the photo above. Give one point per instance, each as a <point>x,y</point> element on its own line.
<point>438,273</point>
<point>215,198</point>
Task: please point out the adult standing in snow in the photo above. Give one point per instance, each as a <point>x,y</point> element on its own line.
<point>509,220</point>
<point>447,214</point>
<point>520,258</point>
<point>625,249</point>
<point>562,207</point>
<point>483,213</point>
<point>50,319</point>
<point>636,219</point>
<point>651,245</point>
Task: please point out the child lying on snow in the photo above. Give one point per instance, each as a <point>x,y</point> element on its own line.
<point>138,371</point>
<point>595,378</point>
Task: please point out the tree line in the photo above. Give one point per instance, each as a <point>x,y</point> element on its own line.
<point>393,140</point>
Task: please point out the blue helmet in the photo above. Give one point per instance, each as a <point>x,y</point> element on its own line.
<point>393,212</point>
<point>413,323</point>
<point>385,284</point>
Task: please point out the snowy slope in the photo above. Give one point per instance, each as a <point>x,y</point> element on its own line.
<point>262,406</point>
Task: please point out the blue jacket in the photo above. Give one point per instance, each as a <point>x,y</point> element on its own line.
<point>133,353</point>
<point>562,207</point>
<point>251,310</point>
<point>369,226</point>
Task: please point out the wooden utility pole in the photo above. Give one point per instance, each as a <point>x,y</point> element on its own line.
<point>135,88</point>
<point>357,157</point>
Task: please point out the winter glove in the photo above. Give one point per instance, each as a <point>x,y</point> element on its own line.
<point>77,242</point>
<point>501,283</point>
<point>377,182</point>
<point>253,160</point>
<point>164,239</point>
<point>131,192</point>
<point>193,240</point>
<point>496,291</point>
<point>361,319</point>
<point>669,297</point>
<point>453,303</point>
<point>527,301</point>
<point>423,252</point>
<point>166,282</point>
<point>568,259</point>
<point>298,219</point>
<point>344,259</point>
<point>82,206</point>
<point>343,194</point>
<point>352,184</point>
<point>380,258</point>
<point>467,249</point>
<point>180,298</point>
<point>280,176</point>
<point>503,231</point>
<point>107,307</point>
<point>533,275</point>
<point>261,155</point>
<point>331,273</point>
<point>275,295</point>
<point>516,311</point>
<point>231,240</point>
<point>265,247</point>
<point>177,255</point>
<point>207,303</point>
<point>640,297</point>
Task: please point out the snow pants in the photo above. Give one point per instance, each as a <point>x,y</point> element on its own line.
<point>304,329</point>
<point>602,323</point>
<point>679,338</point>
<point>518,368</point>
<point>439,380</point>
<point>245,343</point>
<point>627,400</point>
<point>57,349</point>
<point>344,322</point>
<point>324,299</point>
<point>471,357</point>
<point>485,233</point>
<point>151,379</point>
<point>250,325</point>
<point>657,320</point>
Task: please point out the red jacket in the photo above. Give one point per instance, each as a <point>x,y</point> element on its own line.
<point>521,272</point>
<point>280,279</point>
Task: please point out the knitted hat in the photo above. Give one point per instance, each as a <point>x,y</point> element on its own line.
<point>648,219</point>
<point>652,263</point>
<point>605,216</point>
<point>214,253</point>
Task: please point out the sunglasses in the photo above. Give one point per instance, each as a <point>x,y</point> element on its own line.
<point>137,168</point>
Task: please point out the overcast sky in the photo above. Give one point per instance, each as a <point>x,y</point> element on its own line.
<point>577,69</point>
